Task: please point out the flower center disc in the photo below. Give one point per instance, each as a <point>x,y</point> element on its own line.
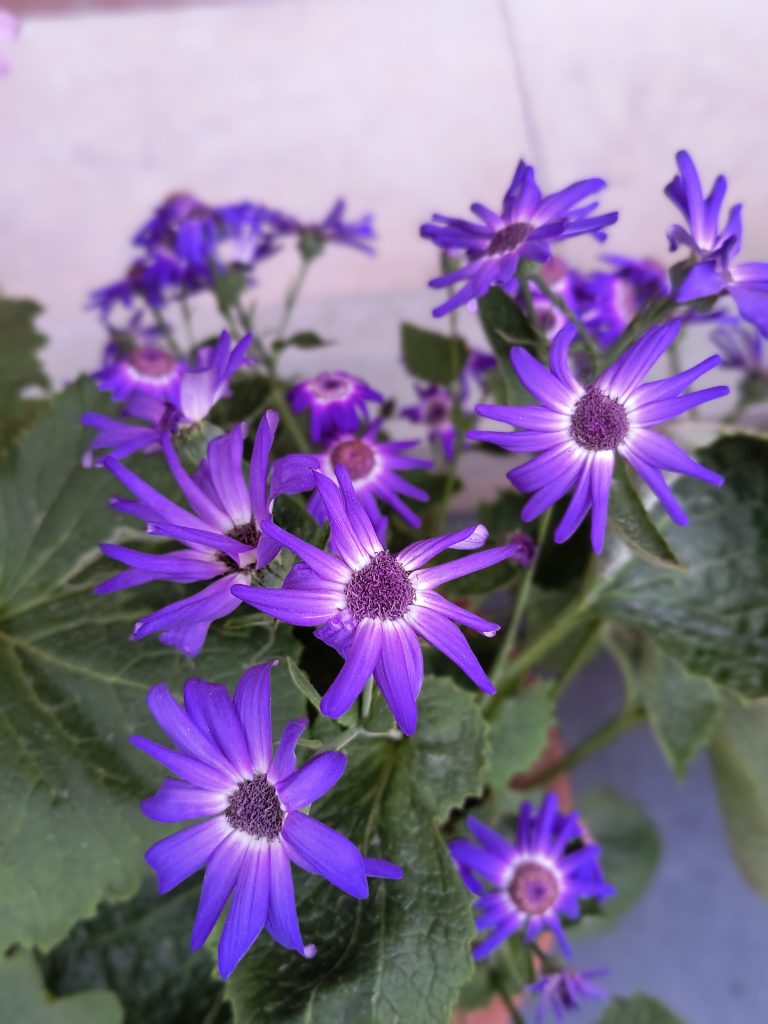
<point>534,888</point>
<point>246,533</point>
<point>508,238</point>
<point>380,590</point>
<point>356,456</point>
<point>151,362</point>
<point>599,423</point>
<point>255,808</point>
<point>330,386</point>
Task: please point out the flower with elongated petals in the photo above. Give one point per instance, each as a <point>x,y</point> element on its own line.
<point>222,537</point>
<point>153,278</point>
<point>531,882</point>
<point>372,606</point>
<point>9,33</point>
<point>608,301</point>
<point>435,410</point>
<point>579,430</point>
<point>703,233</point>
<point>742,348</point>
<point>746,283</point>
<point>314,235</point>
<point>374,467</point>
<point>524,229</point>
<point>146,368</point>
<point>562,991</point>
<point>250,798</point>
<point>336,402</point>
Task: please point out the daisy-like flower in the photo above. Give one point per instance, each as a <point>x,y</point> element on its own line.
<point>374,467</point>
<point>608,301</point>
<point>314,235</point>
<point>372,605</point>
<point>222,536</point>
<point>562,991</point>
<point>190,395</point>
<point>336,402</point>
<point>435,410</point>
<point>524,229</point>
<point>579,431</point>
<point>146,368</point>
<point>250,797</point>
<point>532,882</point>
<point>703,234</point>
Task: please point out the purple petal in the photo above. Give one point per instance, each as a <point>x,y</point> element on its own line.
<point>254,709</point>
<point>361,658</point>
<point>658,412</point>
<point>422,551</point>
<point>477,859</point>
<point>248,912</point>
<point>165,508</point>
<point>578,507</point>
<point>448,639</point>
<point>293,473</point>
<point>527,417</point>
<point>219,881</point>
<point>658,485</point>
<point>300,608</point>
<point>657,390</point>
<point>437,603</point>
<point>282,920</point>
<point>601,476</point>
<point>198,773</point>
<point>358,517</point>
<point>540,382</point>
<point>207,509</point>
<point>662,452</point>
<point>178,801</point>
<point>394,675</point>
<point>181,729</point>
<point>327,852</point>
<point>211,708</point>
<point>225,465</point>
<point>344,540</point>
<point>312,780</point>
<point>325,565</point>
<point>701,281</point>
<point>284,761</point>
<point>502,933</point>
<point>621,379</point>
<point>180,567</point>
<point>377,868</point>
<point>180,855</point>
<point>213,602</point>
<point>257,478</point>
<point>439,574</point>
<point>491,839</point>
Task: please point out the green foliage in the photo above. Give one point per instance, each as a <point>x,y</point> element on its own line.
<point>402,954</point>
<point>25,1000</point>
<point>712,618</point>
<point>304,339</point>
<point>740,762</point>
<point>682,709</point>
<point>20,366</point>
<point>505,325</point>
<point>140,950</point>
<point>630,520</point>
<point>519,733</point>
<point>248,399</point>
<point>630,848</point>
<point>431,356</point>
<point>73,688</point>
<point>638,1009</point>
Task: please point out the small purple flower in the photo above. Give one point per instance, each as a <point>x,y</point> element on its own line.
<point>435,411</point>
<point>746,283</point>
<point>372,605</point>
<point>562,991</point>
<point>251,798</point>
<point>246,234</point>
<point>152,278</point>
<point>530,883</point>
<point>579,431</point>
<point>742,348</point>
<point>475,372</point>
<point>146,368</point>
<point>524,229</point>
<point>703,234</point>
<point>223,536</point>
<point>201,387</point>
<point>336,402</point>
<point>608,302</point>
<point>314,235</point>
<point>374,467</point>
<point>9,33</point>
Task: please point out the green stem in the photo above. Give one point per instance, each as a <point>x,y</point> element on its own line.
<point>542,341</point>
<point>287,418</point>
<point>523,595</point>
<point>186,315</point>
<point>628,718</point>
<point>166,330</point>
<point>565,309</point>
<point>500,989</point>
<point>292,296</point>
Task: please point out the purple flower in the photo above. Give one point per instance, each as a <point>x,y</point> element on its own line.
<point>9,33</point>
<point>246,234</point>
<point>202,387</point>
<point>146,368</point>
<point>746,283</point>
<point>564,990</point>
<point>313,235</point>
<point>222,536</point>
<point>374,468</point>
<point>336,402</point>
<point>607,302</point>
<point>372,605</point>
<point>742,348</point>
<point>524,229</point>
<point>435,411</point>
<point>152,278</point>
<point>703,234</point>
<point>250,797</point>
<point>579,431</point>
<point>530,883</point>
<point>475,371</point>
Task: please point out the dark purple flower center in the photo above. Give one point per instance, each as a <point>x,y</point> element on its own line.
<point>437,411</point>
<point>255,808</point>
<point>380,590</point>
<point>534,888</point>
<point>599,423</point>
<point>330,386</point>
<point>508,238</point>
<point>151,362</point>
<point>357,456</point>
<point>246,533</point>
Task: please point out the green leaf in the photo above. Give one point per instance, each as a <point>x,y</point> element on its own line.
<point>739,754</point>
<point>713,618</point>
<point>20,366</point>
<point>228,287</point>
<point>247,400</point>
<point>682,710</point>
<point>140,950</point>
<point>403,954</point>
<point>631,521</point>
<point>304,339</point>
<point>505,325</point>
<point>73,688</point>
<point>431,356</point>
<point>630,854</point>
<point>519,734</point>
<point>639,1009</point>
<point>25,1000</point>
